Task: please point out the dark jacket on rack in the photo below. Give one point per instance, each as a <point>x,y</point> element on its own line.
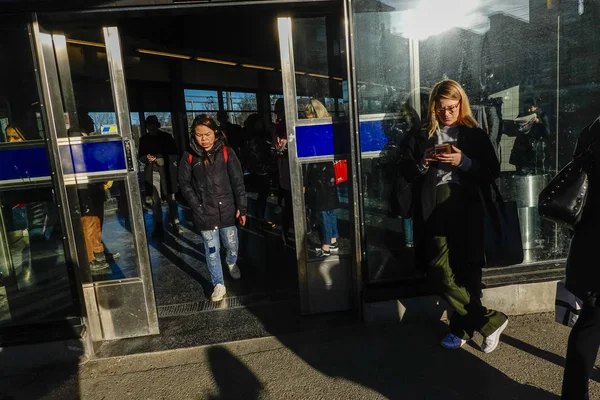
<point>321,189</point>
<point>474,184</point>
<point>215,190</point>
<point>583,273</point>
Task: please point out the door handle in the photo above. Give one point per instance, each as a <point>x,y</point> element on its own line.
<point>128,155</point>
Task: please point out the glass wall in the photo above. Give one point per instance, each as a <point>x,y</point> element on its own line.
<point>199,102</point>
<point>530,69</point>
<point>239,105</point>
<point>35,281</point>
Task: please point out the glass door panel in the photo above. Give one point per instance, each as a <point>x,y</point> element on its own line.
<point>98,166</point>
<point>314,138</point>
<point>36,280</point>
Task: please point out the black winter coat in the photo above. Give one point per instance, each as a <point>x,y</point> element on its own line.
<point>321,189</point>
<point>475,144</point>
<point>583,271</point>
<point>214,191</point>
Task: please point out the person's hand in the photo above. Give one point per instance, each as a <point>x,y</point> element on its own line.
<point>150,157</point>
<point>453,159</point>
<point>241,218</point>
<point>428,157</point>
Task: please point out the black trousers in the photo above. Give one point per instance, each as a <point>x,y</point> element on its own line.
<point>288,212</point>
<point>262,184</point>
<point>582,351</point>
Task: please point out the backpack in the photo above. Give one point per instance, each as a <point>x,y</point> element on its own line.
<point>225,156</point>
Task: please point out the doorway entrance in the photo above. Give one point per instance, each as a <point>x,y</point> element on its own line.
<point>114,70</point>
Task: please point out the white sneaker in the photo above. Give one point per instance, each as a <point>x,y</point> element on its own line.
<point>218,292</point>
<point>491,342</point>
<point>451,341</point>
<point>234,271</point>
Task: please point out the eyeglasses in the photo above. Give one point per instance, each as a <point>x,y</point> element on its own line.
<point>450,109</point>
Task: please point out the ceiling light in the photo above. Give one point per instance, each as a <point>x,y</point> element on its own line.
<point>85,43</point>
<point>210,60</point>
<point>164,54</point>
<point>258,67</point>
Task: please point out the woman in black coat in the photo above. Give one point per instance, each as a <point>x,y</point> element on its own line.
<point>583,280</point>
<point>212,182</point>
<point>449,212</point>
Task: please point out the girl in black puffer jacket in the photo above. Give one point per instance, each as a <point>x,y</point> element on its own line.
<point>212,182</point>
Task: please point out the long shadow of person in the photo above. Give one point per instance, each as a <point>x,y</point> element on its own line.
<point>234,380</point>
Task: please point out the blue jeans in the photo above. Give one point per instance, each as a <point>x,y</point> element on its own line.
<point>407,224</point>
<point>327,226</point>
<point>212,245</point>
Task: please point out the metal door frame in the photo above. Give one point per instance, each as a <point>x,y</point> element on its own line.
<point>57,88</point>
<point>288,72</point>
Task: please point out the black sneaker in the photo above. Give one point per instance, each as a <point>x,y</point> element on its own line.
<point>98,265</point>
<point>177,229</point>
<point>333,247</point>
<point>106,256</point>
<point>322,253</point>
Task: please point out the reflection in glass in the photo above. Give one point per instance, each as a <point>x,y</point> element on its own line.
<point>528,93</point>
<point>106,230</point>
<point>34,282</point>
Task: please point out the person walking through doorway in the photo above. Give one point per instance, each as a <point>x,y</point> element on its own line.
<point>212,182</point>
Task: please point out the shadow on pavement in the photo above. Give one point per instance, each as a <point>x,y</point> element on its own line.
<point>234,380</point>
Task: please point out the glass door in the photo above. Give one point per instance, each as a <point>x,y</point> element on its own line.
<point>314,143</point>
<point>37,279</point>
<point>91,136</point>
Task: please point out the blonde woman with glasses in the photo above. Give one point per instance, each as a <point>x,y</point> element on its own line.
<point>457,164</point>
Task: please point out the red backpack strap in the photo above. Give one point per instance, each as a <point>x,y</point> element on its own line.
<point>225,154</point>
<point>190,157</point>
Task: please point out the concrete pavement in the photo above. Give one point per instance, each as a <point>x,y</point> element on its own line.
<point>393,361</point>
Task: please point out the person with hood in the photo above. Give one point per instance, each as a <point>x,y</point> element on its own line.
<point>159,153</point>
<point>211,180</point>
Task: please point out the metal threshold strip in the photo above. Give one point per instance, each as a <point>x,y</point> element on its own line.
<point>228,303</point>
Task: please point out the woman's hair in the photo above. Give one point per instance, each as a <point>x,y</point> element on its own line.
<point>316,108</point>
<point>16,130</point>
<point>452,90</point>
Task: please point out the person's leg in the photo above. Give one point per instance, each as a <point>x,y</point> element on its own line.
<point>92,231</point>
<point>582,350</point>
<point>262,186</point>
<point>174,213</point>
<point>98,247</point>
<point>212,255</point>
<point>229,236</point>
<point>325,229</point>
<point>287,214</point>
<point>334,227</point>
<point>408,231</point>
<point>88,222</point>
<point>157,214</point>
<point>448,267</point>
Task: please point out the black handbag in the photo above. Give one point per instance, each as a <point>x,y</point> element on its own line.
<point>502,232</point>
<point>564,198</point>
